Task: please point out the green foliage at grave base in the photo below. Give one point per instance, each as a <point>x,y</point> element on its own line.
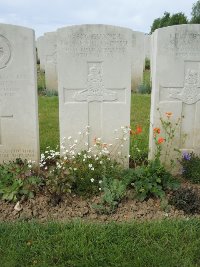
<point>18,179</point>
<point>186,199</point>
<point>152,180</point>
<point>191,167</point>
<point>113,190</point>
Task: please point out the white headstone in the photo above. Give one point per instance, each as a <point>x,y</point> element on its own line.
<point>138,59</point>
<point>41,47</point>
<point>38,43</point>
<point>51,61</point>
<point>152,55</point>
<point>176,85</point>
<point>147,46</point>
<point>19,135</point>
<point>94,80</point>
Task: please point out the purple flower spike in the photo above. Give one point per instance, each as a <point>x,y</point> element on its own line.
<point>186,156</point>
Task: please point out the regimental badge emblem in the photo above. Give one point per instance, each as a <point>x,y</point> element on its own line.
<point>191,91</point>
<point>5,52</point>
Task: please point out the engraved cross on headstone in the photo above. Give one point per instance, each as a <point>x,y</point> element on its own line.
<point>189,95</point>
<point>95,94</point>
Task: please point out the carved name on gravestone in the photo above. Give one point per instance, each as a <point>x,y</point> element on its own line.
<point>18,96</point>
<point>94,78</point>
<point>176,84</point>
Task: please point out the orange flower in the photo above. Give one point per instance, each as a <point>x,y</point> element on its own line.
<point>138,130</point>
<point>168,114</point>
<point>156,130</point>
<point>161,140</point>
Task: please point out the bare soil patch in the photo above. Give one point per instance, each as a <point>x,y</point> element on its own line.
<point>73,207</point>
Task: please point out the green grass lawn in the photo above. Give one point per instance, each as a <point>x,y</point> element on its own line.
<point>40,80</point>
<point>146,78</point>
<point>140,112</point>
<point>153,244</point>
<point>48,122</point>
<point>49,126</point>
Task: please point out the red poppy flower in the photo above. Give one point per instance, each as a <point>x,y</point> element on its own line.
<point>156,130</point>
<point>138,129</point>
<point>161,140</point>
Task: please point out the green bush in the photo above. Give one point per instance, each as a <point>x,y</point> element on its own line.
<point>168,20</point>
<point>186,199</point>
<point>18,179</point>
<point>56,175</point>
<point>82,171</point>
<point>191,167</point>
<point>152,180</point>
<point>45,92</point>
<point>147,64</point>
<point>113,190</point>
<point>40,80</point>
<point>144,89</point>
<point>195,14</point>
<point>90,173</point>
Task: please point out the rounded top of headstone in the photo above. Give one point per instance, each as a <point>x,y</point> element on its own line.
<point>12,26</point>
<point>8,32</point>
<point>40,38</point>
<point>179,27</point>
<point>49,34</point>
<point>94,26</point>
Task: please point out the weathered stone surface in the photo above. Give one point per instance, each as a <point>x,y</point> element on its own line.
<point>41,47</point>
<point>51,61</point>
<point>19,135</point>
<point>94,81</point>
<point>176,86</point>
<point>138,59</point>
<point>147,46</point>
<point>153,54</point>
<point>37,43</point>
